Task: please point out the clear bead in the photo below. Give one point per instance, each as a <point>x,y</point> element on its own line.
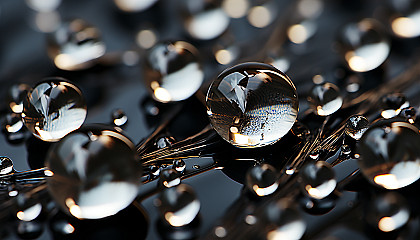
<point>252,105</point>
<point>169,178</point>
<point>95,172</point>
<point>325,99</point>
<point>14,129</point>
<point>390,154</point>
<point>6,165</point>
<point>179,165</point>
<point>356,126</point>
<point>119,118</point>
<point>392,104</point>
<point>54,108</point>
<point>262,179</point>
<point>317,179</point>
<point>172,71</point>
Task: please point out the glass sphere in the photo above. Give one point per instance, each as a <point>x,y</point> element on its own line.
<point>364,44</point>
<point>95,172</point>
<point>356,126</point>
<point>54,108</point>
<point>252,105</point>
<point>262,179</point>
<point>75,45</point>
<point>390,154</point>
<point>178,205</point>
<point>325,99</point>
<point>172,71</point>
<point>317,179</point>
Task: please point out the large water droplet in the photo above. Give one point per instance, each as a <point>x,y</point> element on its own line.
<point>390,154</point>
<point>75,45</point>
<point>317,179</point>
<point>262,179</point>
<point>173,71</point>
<point>252,105</point>
<point>364,45</point>
<point>178,205</point>
<point>95,172</point>
<point>356,126</point>
<point>54,108</point>
<point>325,99</point>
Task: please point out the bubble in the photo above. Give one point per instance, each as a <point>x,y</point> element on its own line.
<point>169,178</point>
<point>389,154</point>
<point>95,172</point>
<point>173,71</point>
<point>252,105</point>
<point>75,45</point>
<point>325,99</point>
<point>356,126</point>
<point>179,205</point>
<point>179,165</point>
<point>364,44</point>
<point>119,118</point>
<point>317,179</point>
<point>262,179</point>
<point>6,165</point>
<point>54,108</point>
<point>392,104</point>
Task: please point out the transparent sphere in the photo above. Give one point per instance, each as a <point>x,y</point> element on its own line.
<point>317,179</point>
<point>75,45</point>
<point>356,126</point>
<point>169,178</point>
<point>204,19</point>
<point>178,205</point>
<point>325,99</point>
<point>54,108</point>
<point>392,104</point>
<point>390,154</point>
<point>179,165</point>
<point>14,129</point>
<point>119,118</point>
<point>252,105</point>
<point>172,71</point>
<point>365,45</point>
<point>388,211</point>
<point>262,179</point>
<point>6,165</point>
<point>95,172</point>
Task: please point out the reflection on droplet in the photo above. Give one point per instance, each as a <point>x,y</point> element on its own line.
<point>317,179</point>
<point>179,205</point>
<point>13,123</point>
<point>252,105</point>
<point>6,165</point>
<point>356,126</point>
<point>43,5</point>
<point>235,8</point>
<point>134,5</point>
<point>325,99</point>
<point>389,154</point>
<point>179,165</point>
<point>172,71</point>
<point>54,108</point>
<point>30,213</point>
<point>262,179</point>
<point>169,178</point>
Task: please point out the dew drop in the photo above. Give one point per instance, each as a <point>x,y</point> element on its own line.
<point>262,179</point>
<point>179,165</point>
<point>13,128</point>
<point>17,93</point>
<point>317,180</point>
<point>325,99</point>
<point>392,104</point>
<point>356,126</point>
<point>119,118</point>
<point>169,178</point>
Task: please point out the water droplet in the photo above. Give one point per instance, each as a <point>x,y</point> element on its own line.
<point>16,94</point>
<point>75,45</point>
<point>155,171</point>
<point>345,150</point>
<point>389,154</point>
<point>404,18</point>
<point>388,211</point>
<point>88,181</point>
<point>173,71</point>
<point>220,232</point>
<point>392,104</point>
<point>252,105</point>
<point>179,165</point>
<point>179,205</point>
<point>54,108</point>
<point>119,118</point>
<point>364,45</point>
<point>28,209</point>
<point>14,129</point>
<point>204,20</point>
<point>356,126</point>
<point>6,165</point>
<point>169,178</point>
<point>317,179</point>
<point>285,221</point>
<point>325,99</point>
<point>262,179</point>
<point>164,141</point>
<point>314,155</point>
<point>409,113</point>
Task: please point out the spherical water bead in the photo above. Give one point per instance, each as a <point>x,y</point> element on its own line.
<point>262,179</point>
<point>17,94</point>
<point>164,141</point>
<point>178,205</point>
<point>75,45</point>
<point>283,220</point>
<point>6,165</point>
<point>405,19</point>
<point>389,154</point>
<point>134,5</point>
<point>169,178</point>
<point>355,126</point>
<point>28,209</point>
<point>317,179</point>
<point>13,128</point>
<point>204,20</point>
<point>388,212</point>
<point>173,71</point>
<point>392,104</point>
<point>252,105</point>
<point>409,113</point>
<point>364,45</point>
<point>119,118</point>
<point>95,172</point>
<point>54,108</point>
<point>179,165</point>
<point>325,99</point>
